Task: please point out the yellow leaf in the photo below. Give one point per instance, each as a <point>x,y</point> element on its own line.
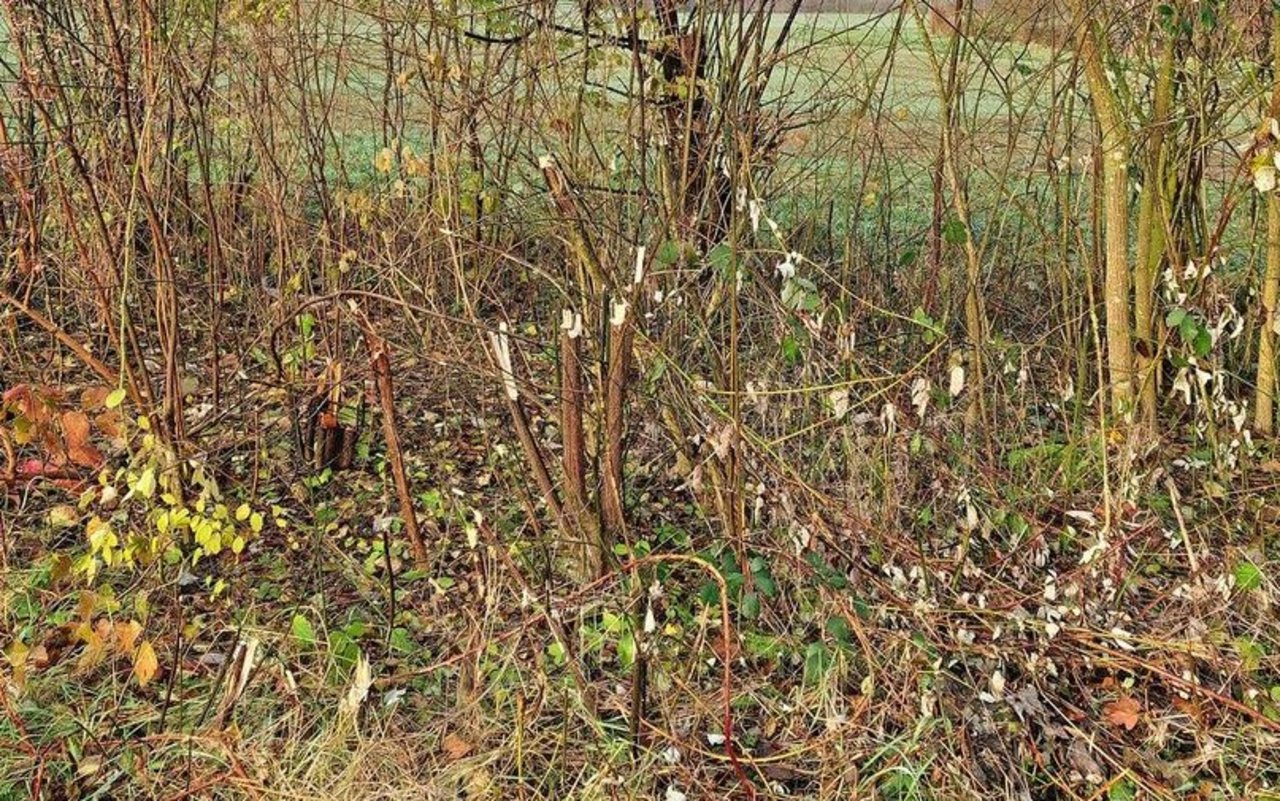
<point>242,512</point>
<point>146,486</point>
<point>255,522</point>
<point>145,664</point>
<point>87,603</point>
<point>237,545</point>
<point>62,516</point>
<point>16,653</point>
<point>127,634</point>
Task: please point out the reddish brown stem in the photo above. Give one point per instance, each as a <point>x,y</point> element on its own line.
<point>395,459</point>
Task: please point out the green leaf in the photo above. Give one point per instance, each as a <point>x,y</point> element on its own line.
<point>1188,328</point>
<point>302,630</point>
<point>954,232</point>
<point>1122,790</point>
<point>400,641</point>
<point>838,628</point>
<point>817,660</point>
<point>668,253</point>
<point>791,352</point>
<point>556,651</point>
<point>1175,317</point>
<point>626,649</point>
<point>932,331</point>
<point>762,646</point>
<point>763,577</point>
<point>1251,653</point>
<point>116,398</point>
<point>768,587</point>
<point>750,606</point>
<point>827,574</point>
<point>721,259</point>
<point>710,593</point>
<point>1248,576</point>
<point>1202,344</point>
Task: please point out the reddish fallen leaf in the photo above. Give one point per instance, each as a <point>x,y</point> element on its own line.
<point>108,423</point>
<point>27,402</point>
<point>87,456</point>
<point>1123,712</point>
<point>94,398</point>
<point>75,428</point>
<point>76,432</point>
<point>455,747</point>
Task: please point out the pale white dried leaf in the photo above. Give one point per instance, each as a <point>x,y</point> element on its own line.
<point>361,681</point>
<point>920,396</point>
<point>839,402</point>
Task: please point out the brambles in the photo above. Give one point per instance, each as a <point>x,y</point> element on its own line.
<point>543,400</point>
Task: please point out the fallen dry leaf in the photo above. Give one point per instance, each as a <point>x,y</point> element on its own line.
<point>81,452</point>
<point>1123,712</point>
<point>145,664</point>
<point>455,747</point>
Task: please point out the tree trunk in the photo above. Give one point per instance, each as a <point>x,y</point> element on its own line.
<point>1153,212</point>
<point>1115,179</point>
<point>1264,396</point>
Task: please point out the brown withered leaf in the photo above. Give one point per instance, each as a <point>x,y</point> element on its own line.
<point>1123,712</point>
<point>75,431</point>
<point>455,747</point>
<point>127,634</point>
<point>93,398</point>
